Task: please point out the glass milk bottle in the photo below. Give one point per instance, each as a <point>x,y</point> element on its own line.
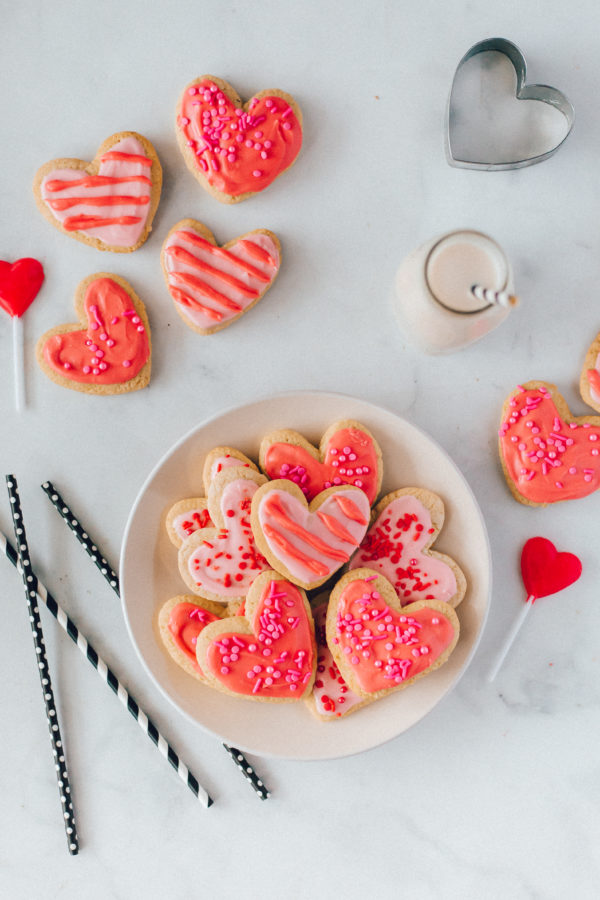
<point>433,298</point>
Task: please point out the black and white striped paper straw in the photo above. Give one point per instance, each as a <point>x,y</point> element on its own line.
<point>22,555</point>
<point>494,298</point>
<point>36,587</point>
<point>95,555</point>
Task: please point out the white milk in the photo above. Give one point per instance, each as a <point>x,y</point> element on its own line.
<point>433,299</point>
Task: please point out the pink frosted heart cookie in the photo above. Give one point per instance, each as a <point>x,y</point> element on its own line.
<point>547,454</point>
<point>267,653</point>
<point>380,646</point>
<point>221,563</point>
<point>186,517</point>
<point>108,203</point>
<point>180,621</point>
<point>405,525</point>
<point>108,351</point>
<point>308,544</point>
<point>212,286</point>
<point>348,454</point>
<point>236,149</point>
<point>220,458</point>
<point>589,382</point>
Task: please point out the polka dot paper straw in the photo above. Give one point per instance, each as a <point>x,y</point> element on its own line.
<point>108,677</point>
<point>38,640</point>
<point>110,576</point>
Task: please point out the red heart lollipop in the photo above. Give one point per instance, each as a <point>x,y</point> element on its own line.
<point>546,571</point>
<point>19,284</point>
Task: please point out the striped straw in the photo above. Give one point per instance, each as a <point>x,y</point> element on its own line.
<point>111,578</point>
<point>108,676</point>
<point>494,298</point>
<point>38,640</point>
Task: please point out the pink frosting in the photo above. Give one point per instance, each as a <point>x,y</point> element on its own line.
<point>331,694</point>
<point>226,462</point>
<point>593,393</point>
<point>190,521</point>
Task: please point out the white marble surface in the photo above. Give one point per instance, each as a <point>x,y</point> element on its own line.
<point>495,793</point>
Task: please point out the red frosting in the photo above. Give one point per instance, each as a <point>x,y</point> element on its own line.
<point>546,571</point>
<point>238,151</point>
<point>186,621</point>
<point>113,348</point>
<point>19,284</point>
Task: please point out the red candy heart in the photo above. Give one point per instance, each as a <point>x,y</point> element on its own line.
<point>547,454</point>
<point>111,351</point>
<point>237,150</point>
<point>267,654</point>
<point>19,284</point>
<point>348,454</point>
<point>546,571</point>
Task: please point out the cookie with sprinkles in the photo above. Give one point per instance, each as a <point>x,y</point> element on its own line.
<point>347,454</point>
<point>109,350</point>
<point>180,621</point>
<point>212,286</point>
<point>589,382</point>
<point>221,562</point>
<point>380,646</point>
<point>404,525</point>
<point>186,517</point>
<point>236,149</point>
<point>108,203</point>
<point>268,653</point>
<point>547,454</point>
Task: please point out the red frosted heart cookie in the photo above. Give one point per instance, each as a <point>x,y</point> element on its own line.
<point>108,350</point>
<point>379,646</point>
<point>20,283</point>
<point>108,203</point>
<point>307,544</point>
<point>236,150</point>
<point>547,454</point>
<point>213,286</point>
<point>269,652</point>
<point>589,382</point>
<point>348,454</point>
<point>180,621</point>
<point>405,525</point>
<point>222,562</point>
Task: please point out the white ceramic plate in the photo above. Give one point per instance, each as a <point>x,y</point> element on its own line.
<point>149,575</point>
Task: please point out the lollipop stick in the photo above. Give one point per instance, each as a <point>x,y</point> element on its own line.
<point>18,364</point>
<point>510,638</point>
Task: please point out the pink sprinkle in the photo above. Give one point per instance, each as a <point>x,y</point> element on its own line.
<point>140,328</point>
<point>559,484</point>
<point>268,104</point>
<point>224,670</point>
<point>587,477</point>
<point>67,365</point>
<point>86,370</point>
<point>185,120</point>
<point>257,685</point>
<point>268,145</point>
<point>114,320</point>
<point>126,363</point>
<point>103,336</point>
<point>287,126</point>
<point>435,621</point>
<point>593,437</point>
<point>257,173</point>
<point>110,343</point>
<point>572,470</point>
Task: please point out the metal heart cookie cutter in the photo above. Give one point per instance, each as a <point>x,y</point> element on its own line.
<point>477,137</point>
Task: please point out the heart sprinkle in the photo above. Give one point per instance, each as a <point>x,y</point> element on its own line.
<point>19,285</point>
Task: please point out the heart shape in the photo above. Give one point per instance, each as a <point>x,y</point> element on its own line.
<point>111,353</point>
<point>546,571</point>
<point>405,524</point>
<point>20,283</point>
<point>180,621</point>
<point>236,150</point>
<point>220,458</point>
<point>547,454</point>
<point>108,203</point>
<point>306,543</point>
<point>331,697</point>
<point>221,563</point>
<point>269,652</point>
<point>589,382</point>
<point>213,286</point>
<point>379,646</point>
<point>348,454</point>
<point>186,517</point>
<point>479,139</point>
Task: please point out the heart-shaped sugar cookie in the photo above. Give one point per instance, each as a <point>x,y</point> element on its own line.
<point>180,621</point>
<point>236,150</point>
<point>405,525</point>
<point>221,563</point>
<point>307,544</point>
<point>108,203</point>
<point>269,652</point>
<point>331,697</point>
<point>547,454</point>
<point>108,350</point>
<point>220,458</point>
<point>213,286</point>
<point>380,646</point>
<point>589,383</point>
<point>348,454</point>
<point>19,285</point>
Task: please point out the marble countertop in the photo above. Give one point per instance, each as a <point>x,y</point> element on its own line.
<point>495,792</point>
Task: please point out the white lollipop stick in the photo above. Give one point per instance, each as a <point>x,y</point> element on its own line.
<point>18,364</point>
<point>496,298</point>
<point>510,639</point>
